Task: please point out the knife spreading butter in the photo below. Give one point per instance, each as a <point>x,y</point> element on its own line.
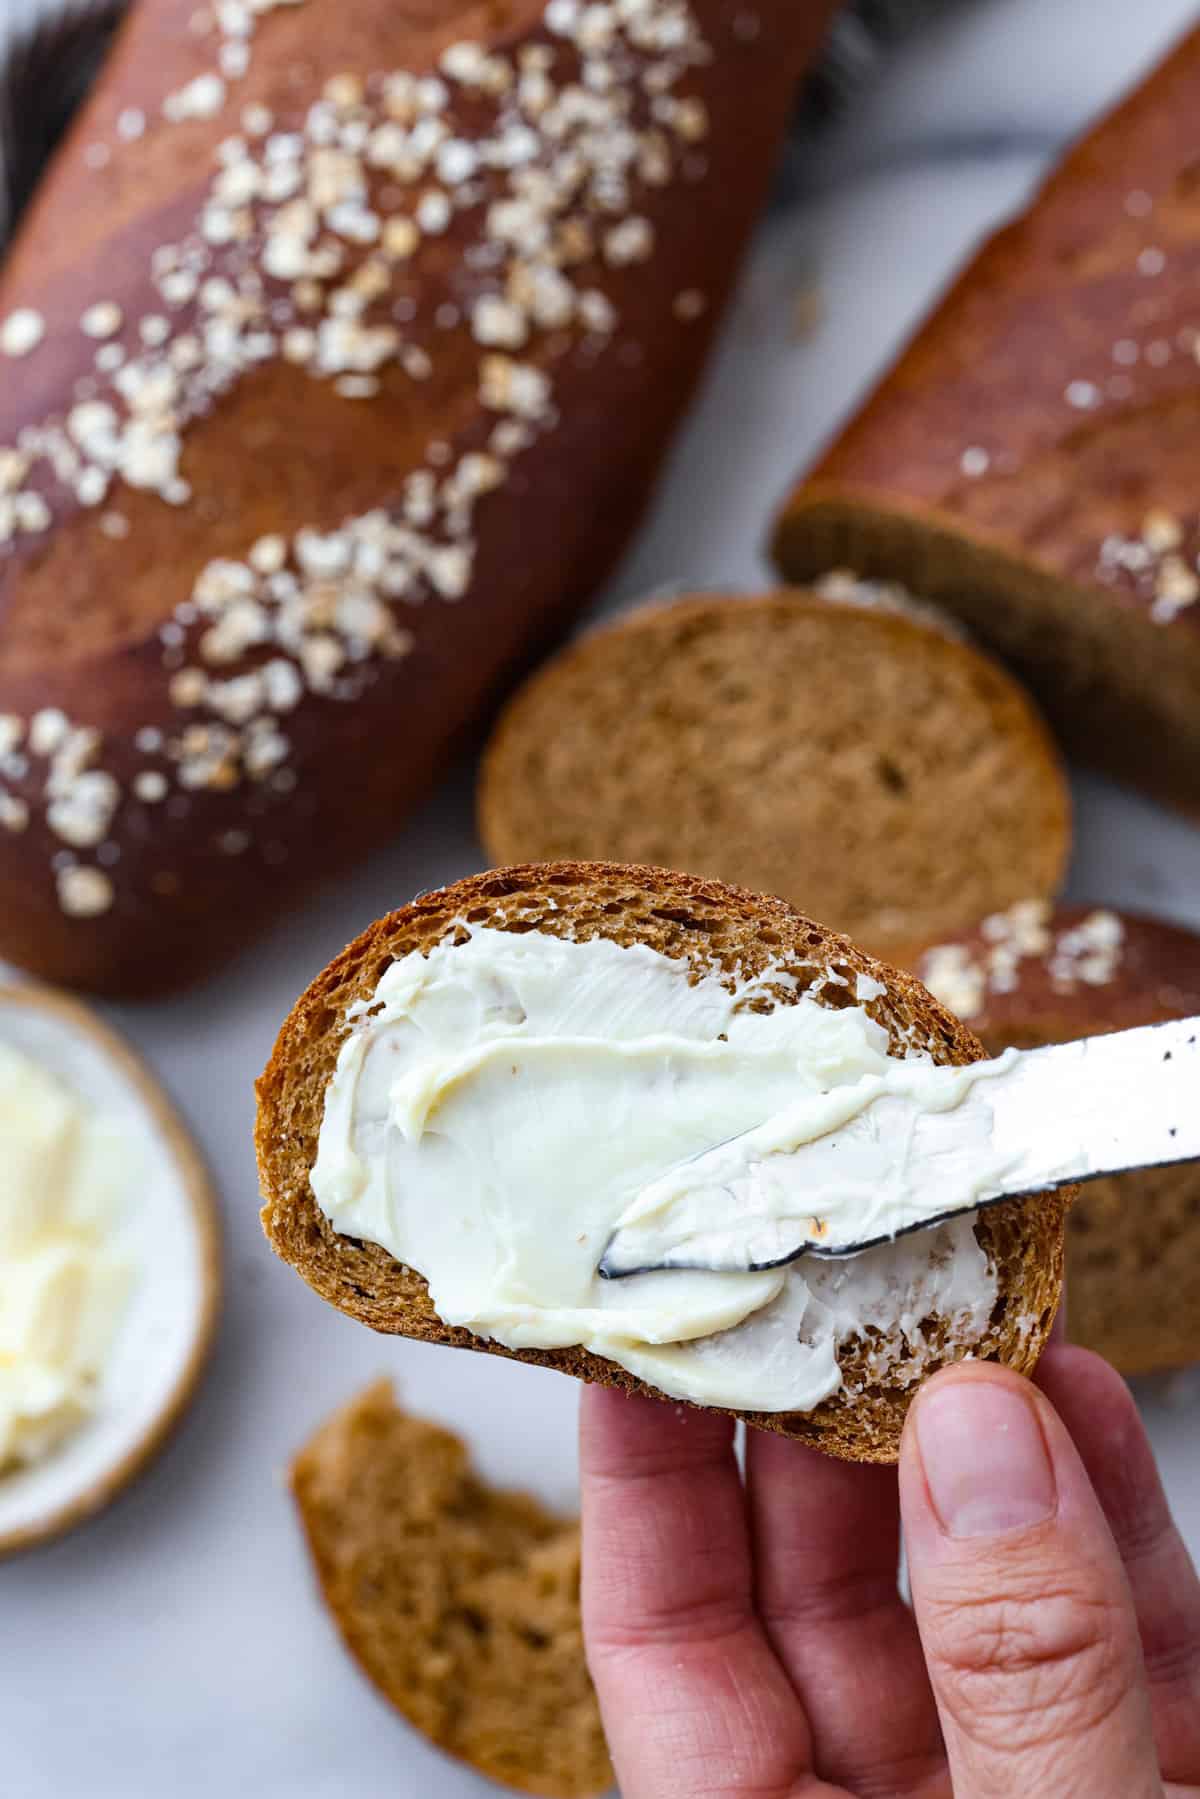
<point>503,1103</point>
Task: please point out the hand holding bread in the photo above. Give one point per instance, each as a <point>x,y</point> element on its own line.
<point>758,1631</point>
<point>721,970</point>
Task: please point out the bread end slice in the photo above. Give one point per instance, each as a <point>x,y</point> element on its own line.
<point>460,1603</point>
<point>713,927</point>
<point>1038,975</point>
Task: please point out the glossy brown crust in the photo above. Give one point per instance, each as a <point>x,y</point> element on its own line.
<point>1133,1273</point>
<point>1064,357</point>
<point>206,1213</point>
<point>1155,976</point>
<point>712,926</point>
<point>79,611</point>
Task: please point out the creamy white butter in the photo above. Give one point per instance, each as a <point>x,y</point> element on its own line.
<point>501,1104</point>
<point>882,1155</point>
<point>63,1169</point>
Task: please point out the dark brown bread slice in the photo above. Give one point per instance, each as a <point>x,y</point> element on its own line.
<point>877,773</point>
<point>1031,460</point>
<point>712,927</point>
<point>459,1602</point>
<point>1033,976</point>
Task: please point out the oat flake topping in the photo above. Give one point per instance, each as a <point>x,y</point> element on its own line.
<point>1085,954</point>
<point>1160,563</point>
<point>294,253</point>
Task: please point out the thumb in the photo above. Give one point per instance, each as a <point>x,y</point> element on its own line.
<point>1021,1600</point>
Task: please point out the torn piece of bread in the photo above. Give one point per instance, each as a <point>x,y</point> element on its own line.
<point>724,935</point>
<point>1032,976</point>
<point>459,1602</point>
<point>1029,460</point>
<point>885,778</point>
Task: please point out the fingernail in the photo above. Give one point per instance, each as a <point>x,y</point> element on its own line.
<point>984,1456</point>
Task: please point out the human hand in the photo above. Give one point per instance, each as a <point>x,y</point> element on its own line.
<point>751,1641</point>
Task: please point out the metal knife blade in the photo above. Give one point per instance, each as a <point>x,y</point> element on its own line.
<point>1066,1113</point>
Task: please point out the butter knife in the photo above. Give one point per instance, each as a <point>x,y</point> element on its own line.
<point>1062,1114</point>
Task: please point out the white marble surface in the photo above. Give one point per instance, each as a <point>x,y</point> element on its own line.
<point>176,1644</point>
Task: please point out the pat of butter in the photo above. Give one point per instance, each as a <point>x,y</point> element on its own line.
<point>501,1103</point>
<point>62,1290</point>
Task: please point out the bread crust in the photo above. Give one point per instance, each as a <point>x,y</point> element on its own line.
<point>1029,461</point>
<point>1133,1275</point>
<point>712,926</point>
<point>188,878</point>
<point>1072,979</point>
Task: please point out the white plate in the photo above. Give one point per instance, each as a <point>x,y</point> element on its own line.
<point>169,1235</point>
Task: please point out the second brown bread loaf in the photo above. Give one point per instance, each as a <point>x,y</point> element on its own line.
<point>1032,460</point>
<point>339,352</point>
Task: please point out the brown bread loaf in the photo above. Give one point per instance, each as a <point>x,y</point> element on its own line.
<point>877,773</point>
<point>711,926</point>
<point>1031,461</point>
<point>460,1603</point>
<point>1033,976</point>
<point>340,348</point>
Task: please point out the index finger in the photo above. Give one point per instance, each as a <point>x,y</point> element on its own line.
<point>693,1698</point>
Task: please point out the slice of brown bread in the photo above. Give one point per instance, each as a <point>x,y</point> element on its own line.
<point>460,1603</point>
<point>712,927</point>
<point>1033,976</point>
<point>877,773</point>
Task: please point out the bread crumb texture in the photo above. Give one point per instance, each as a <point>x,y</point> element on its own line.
<point>1036,975</point>
<point>460,1602</point>
<point>715,928</point>
<point>832,749</point>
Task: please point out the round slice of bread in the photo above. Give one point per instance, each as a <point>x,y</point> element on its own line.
<point>713,928</point>
<point>1034,975</point>
<point>868,767</point>
<point>459,1602</point>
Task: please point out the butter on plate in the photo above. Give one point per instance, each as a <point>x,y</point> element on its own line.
<point>110,1266</point>
<point>65,1170</point>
